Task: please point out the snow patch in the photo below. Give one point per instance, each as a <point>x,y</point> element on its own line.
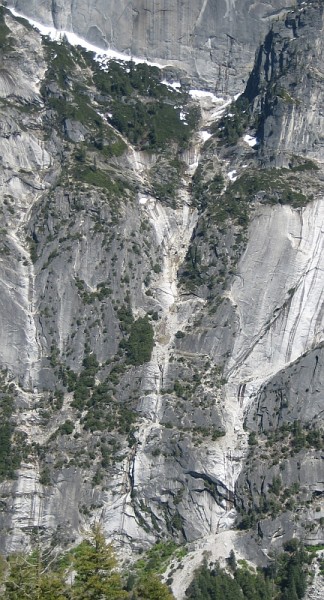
<point>232,175</point>
<point>174,85</point>
<point>101,56</point>
<point>249,139</point>
<point>205,135</point>
<point>198,94</point>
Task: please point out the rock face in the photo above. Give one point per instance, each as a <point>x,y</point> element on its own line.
<point>212,41</point>
<point>161,285</point>
<point>286,87</point>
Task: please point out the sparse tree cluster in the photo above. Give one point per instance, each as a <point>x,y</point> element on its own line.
<point>284,579</point>
<point>89,572</point>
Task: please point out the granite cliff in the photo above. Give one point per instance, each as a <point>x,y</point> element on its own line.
<point>161,285</point>
<point>211,41</point>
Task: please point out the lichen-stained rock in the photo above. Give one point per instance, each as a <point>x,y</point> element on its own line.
<point>214,41</point>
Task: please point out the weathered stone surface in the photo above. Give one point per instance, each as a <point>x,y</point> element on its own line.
<point>231,281</point>
<point>286,87</point>
<point>213,40</point>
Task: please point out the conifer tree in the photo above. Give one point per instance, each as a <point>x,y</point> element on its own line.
<point>29,578</point>
<point>151,588</point>
<point>95,566</point>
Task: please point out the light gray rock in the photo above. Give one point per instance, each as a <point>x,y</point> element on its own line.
<point>238,331</point>
<point>212,40</point>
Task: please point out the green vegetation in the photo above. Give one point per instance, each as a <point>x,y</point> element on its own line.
<point>43,575</point>
<point>83,384</point>
<point>232,126</point>
<point>284,579</point>
<point>61,60</point>
<point>102,410</point>
<point>143,109</point>
<point>125,317</point>
<point>91,175</point>
<point>273,186</point>
<point>193,271</point>
<point>140,342</point>
<point>315,548</point>
<point>149,126</point>
<point>68,69</point>
<point>94,390</point>
<point>95,567</point>
<point>282,93</point>
<point>5,39</point>
<point>66,428</point>
<point>32,249</point>
<point>205,192</point>
<point>295,437</point>
<point>100,135</point>
<point>13,447</point>
<point>105,413</point>
<point>149,587</point>
<point>157,559</point>
<point>103,291</point>
<point>302,164</point>
<point>268,185</point>
<point>80,110</point>
<point>27,578</point>
<point>166,176</point>
<point>280,444</point>
<point>230,210</point>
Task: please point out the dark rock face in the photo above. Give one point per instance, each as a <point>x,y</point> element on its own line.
<point>286,88</point>
<point>213,41</point>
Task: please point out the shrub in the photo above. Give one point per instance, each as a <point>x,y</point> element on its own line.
<point>66,428</point>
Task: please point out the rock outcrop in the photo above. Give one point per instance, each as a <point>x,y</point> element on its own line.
<point>286,88</point>
<point>212,41</point>
<point>161,286</point>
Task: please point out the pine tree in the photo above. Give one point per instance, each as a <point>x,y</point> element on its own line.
<point>94,563</point>
<point>30,579</point>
